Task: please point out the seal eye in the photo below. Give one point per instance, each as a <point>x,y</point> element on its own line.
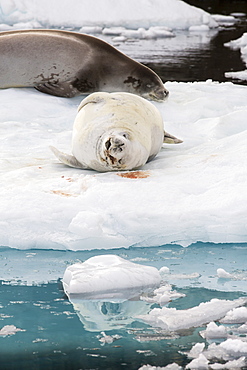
<point>125,135</point>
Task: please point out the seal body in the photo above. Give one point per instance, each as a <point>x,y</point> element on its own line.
<point>67,64</point>
<point>115,131</point>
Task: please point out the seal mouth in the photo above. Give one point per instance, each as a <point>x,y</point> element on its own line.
<point>112,151</point>
<point>159,94</point>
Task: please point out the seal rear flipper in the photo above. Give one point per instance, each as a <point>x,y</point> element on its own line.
<point>67,159</point>
<point>61,89</point>
<point>170,139</point>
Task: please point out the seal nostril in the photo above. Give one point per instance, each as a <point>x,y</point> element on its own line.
<point>108,144</point>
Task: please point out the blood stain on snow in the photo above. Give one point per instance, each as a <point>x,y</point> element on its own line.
<point>63,193</point>
<point>135,174</point>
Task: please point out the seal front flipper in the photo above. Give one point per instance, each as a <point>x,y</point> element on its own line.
<point>170,139</point>
<point>67,159</point>
<point>61,89</point>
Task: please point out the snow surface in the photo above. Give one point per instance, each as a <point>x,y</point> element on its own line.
<point>191,192</point>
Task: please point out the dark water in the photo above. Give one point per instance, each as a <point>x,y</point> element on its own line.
<point>198,57</point>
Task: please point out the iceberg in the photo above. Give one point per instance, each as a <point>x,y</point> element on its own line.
<point>109,276</point>
<point>105,290</point>
<point>128,13</point>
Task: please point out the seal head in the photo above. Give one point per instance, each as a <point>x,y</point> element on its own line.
<point>147,84</point>
<point>115,151</point>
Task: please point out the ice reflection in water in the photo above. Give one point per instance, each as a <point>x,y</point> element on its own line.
<point>99,316</point>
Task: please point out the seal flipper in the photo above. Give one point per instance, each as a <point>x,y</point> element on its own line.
<point>67,159</point>
<point>61,89</point>
<point>170,139</point>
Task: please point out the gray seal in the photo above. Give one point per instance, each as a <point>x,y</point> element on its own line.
<point>67,64</point>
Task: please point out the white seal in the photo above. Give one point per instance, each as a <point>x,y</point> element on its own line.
<point>115,131</point>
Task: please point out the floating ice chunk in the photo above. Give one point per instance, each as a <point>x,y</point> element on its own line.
<point>163,295</point>
<point>5,27</point>
<point>230,349</point>
<point>165,273</point>
<point>140,33</point>
<point>242,329</point>
<point>172,319</point>
<point>214,331</point>
<point>238,14</point>
<point>221,273</point>
<point>198,363</point>
<point>113,31</point>
<point>162,30</point>
<point>173,366</point>
<point>234,364</point>
<point>239,75</point>
<point>108,339</point>
<point>164,270</point>
<point>235,316</point>
<point>134,34</point>
<point>119,39</point>
<point>234,347</point>
<point>224,20</point>
<point>26,25</point>
<point>196,350</point>
<point>20,26</point>
<point>151,33</point>
<point>109,276</point>
<point>240,43</point>
<point>9,330</point>
<point>91,29</point>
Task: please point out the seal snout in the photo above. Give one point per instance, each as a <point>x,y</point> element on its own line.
<point>113,149</point>
<point>159,94</point>
<point>114,145</point>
